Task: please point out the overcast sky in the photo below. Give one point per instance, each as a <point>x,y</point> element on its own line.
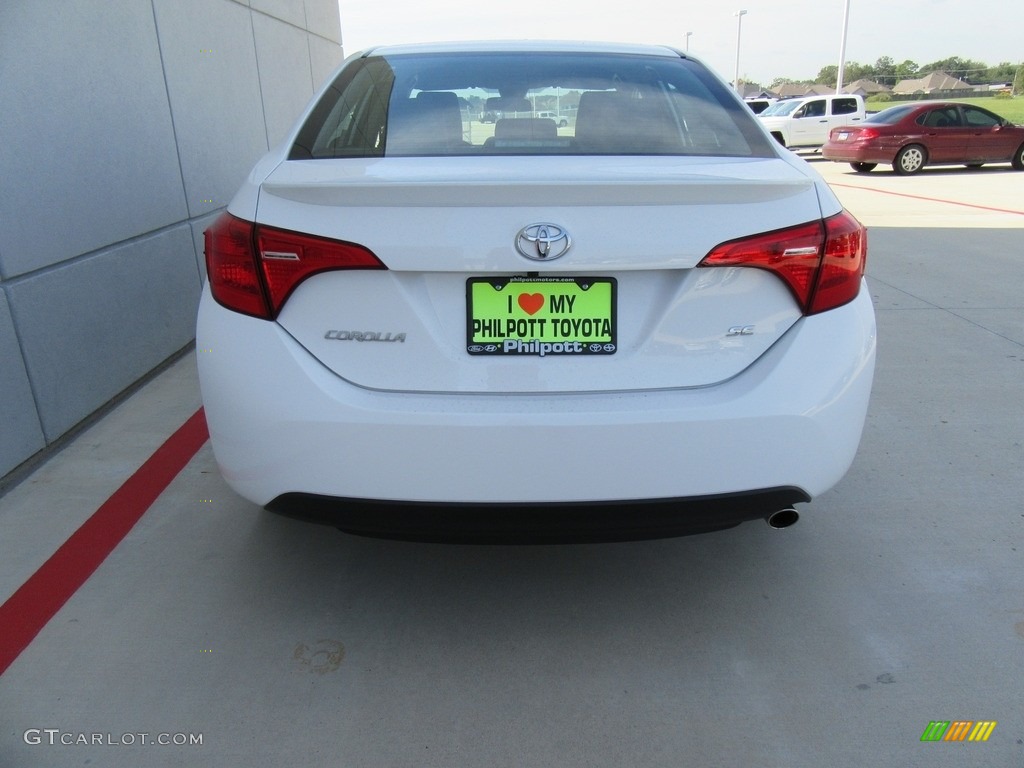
<point>784,38</point>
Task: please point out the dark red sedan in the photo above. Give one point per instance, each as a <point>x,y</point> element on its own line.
<point>911,136</point>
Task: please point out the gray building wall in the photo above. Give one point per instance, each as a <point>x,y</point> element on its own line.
<point>125,127</point>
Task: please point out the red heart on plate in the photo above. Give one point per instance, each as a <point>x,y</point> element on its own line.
<point>531,302</point>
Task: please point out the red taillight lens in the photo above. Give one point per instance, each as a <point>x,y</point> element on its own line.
<point>231,267</point>
<point>288,258</point>
<point>821,262</point>
<point>842,266</point>
<point>852,134</point>
<point>253,269</point>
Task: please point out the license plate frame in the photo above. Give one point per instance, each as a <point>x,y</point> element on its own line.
<point>541,316</point>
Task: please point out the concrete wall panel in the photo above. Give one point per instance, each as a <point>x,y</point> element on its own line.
<point>212,78</point>
<point>324,58</point>
<point>92,328</point>
<point>283,57</point>
<point>127,126</point>
<point>19,422</point>
<point>323,18</point>
<point>285,10</point>
<point>82,165</point>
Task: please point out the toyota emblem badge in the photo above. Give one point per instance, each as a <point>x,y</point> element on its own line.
<point>543,242</point>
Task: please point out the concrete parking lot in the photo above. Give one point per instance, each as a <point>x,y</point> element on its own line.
<point>217,634</point>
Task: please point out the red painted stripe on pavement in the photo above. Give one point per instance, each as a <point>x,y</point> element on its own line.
<point>928,199</point>
<point>29,609</point>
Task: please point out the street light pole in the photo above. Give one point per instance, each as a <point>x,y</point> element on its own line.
<point>842,48</point>
<point>739,26</point>
<point>688,36</point>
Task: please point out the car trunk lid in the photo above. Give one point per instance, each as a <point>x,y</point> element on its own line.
<point>447,229</point>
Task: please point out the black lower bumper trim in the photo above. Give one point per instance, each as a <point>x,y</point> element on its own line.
<point>537,523</point>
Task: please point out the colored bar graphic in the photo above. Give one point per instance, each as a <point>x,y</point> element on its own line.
<point>982,730</point>
<point>959,730</point>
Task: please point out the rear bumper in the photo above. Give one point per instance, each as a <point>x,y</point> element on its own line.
<point>537,523</point>
<point>280,424</point>
<point>854,154</point>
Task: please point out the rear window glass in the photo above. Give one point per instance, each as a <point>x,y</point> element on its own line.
<point>980,118</point>
<point>527,104</point>
<point>945,117</point>
<point>891,116</point>
<point>844,106</point>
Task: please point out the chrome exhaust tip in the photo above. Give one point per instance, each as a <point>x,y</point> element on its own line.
<point>783,518</point>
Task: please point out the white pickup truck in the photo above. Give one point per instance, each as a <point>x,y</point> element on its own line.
<point>804,123</point>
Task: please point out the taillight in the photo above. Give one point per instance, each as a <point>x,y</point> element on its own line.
<point>821,262</point>
<point>231,266</point>
<point>852,134</point>
<point>253,269</point>
<point>842,265</point>
<point>288,258</point>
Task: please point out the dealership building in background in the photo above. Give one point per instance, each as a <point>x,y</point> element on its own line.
<point>125,128</point>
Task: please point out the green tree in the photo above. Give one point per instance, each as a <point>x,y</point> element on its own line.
<point>967,70</point>
<point>1018,81</point>
<point>1004,72</point>
<point>778,82</point>
<point>885,71</point>
<point>828,75</point>
<point>854,72</point>
<point>906,70</point>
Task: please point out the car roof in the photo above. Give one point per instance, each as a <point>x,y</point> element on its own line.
<point>924,106</point>
<point>525,46</point>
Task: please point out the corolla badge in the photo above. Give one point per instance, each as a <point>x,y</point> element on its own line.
<point>543,242</point>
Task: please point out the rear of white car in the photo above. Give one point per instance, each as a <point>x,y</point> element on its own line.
<point>648,322</point>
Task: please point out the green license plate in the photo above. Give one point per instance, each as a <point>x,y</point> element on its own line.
<point>540,316</point>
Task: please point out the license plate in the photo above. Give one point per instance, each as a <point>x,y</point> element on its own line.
<point>542,316</point>
<point>844,135</point>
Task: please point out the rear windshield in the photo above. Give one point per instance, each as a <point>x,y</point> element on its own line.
<point>527,104</point>
<point>892,115</point>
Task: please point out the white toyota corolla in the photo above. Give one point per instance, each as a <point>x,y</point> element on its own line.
<point>650,320</point>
